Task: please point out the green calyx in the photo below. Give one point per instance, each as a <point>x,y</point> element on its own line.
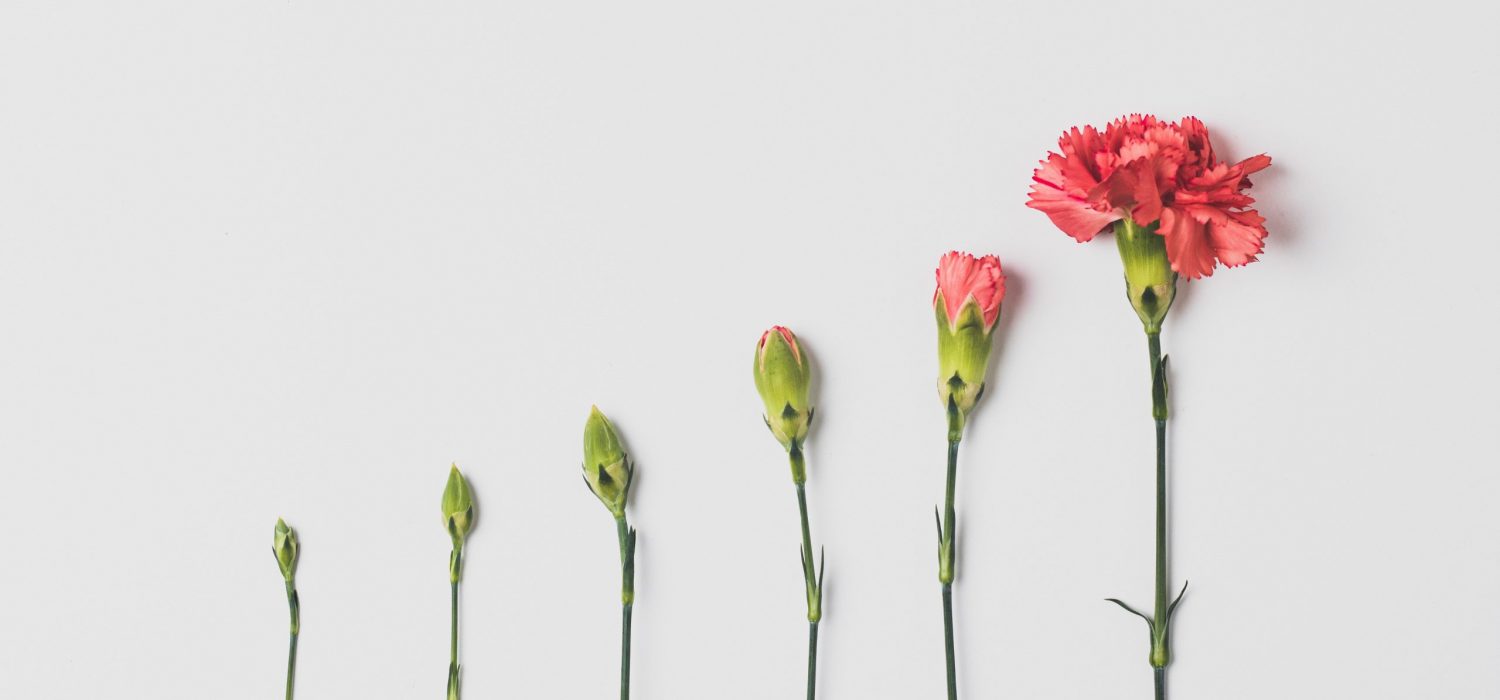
<point>783,377</point>
<point>1150,283</point>
<point>458,507</point>
<point>284,546</point>
<point>963,357</point>
<point>606,467</point>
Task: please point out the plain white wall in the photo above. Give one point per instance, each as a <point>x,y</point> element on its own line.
<point>268,259</point>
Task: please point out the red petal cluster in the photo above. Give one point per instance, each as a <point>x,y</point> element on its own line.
<point>1154,171</point>
<point>961,277</point>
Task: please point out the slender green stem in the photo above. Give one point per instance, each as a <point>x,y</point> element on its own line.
<point>811,575</point>
<point>625,651</point>
<point>812,660</point>
<point>1154,343</point>
<point>455,570</point>
<point>1161,650</point>
<point>948,640</point>
<point>453,628</point>
<point>806,533</point>
<point>948,510</point>
<point>294,606</point>
<point>946,565</point>
<point>627,598</point>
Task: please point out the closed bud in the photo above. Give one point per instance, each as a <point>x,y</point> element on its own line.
<point>458,507</point>
<point>1150,283</point>
<point>284,546</point>
<point>606,467</point>
<point>967,305</point>
<point>782,376</point>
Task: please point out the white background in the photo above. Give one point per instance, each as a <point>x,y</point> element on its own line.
<point>268,259</point>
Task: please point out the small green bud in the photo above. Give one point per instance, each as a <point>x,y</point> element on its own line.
<point>458,507</point>
<point>1150,283</point>
<point>606,467</point>
<point>782,376</point>
<point>284,546</point>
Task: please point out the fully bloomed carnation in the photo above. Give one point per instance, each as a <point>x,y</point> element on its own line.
<point>1154,172</point>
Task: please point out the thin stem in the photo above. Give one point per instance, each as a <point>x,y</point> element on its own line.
<point>453,629</point>
<point>948,640</point>
<point>294,607</point>
<point>947,564</point>
<point>1154,343</point>
<point>627,597</point>
<point>455,571</point>
<point>625,651</point>
<point>806,534</point>
<point>812,660</point>
<point>812,577</point>
<point>1161,649</point>
<point>948,512</point>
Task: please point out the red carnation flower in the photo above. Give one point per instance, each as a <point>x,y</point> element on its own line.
<point>1154,172</point>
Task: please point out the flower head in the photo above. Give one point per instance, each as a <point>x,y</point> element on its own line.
<point>1153,172</point>
<point>284,546</point>
<point>458,507</point>
<point>967,305</point>
<point>782,376</point>
<point>606,468</point>
<point>962,278</point>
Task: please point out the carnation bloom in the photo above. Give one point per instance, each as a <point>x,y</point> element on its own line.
<point>1154,173</point>
<point>960,277</point>
<point>967,306</point>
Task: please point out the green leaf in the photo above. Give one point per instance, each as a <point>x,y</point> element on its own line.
<point>1135,612</point>
<point>1173,607</point>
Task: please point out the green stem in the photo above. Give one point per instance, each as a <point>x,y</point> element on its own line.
<point>806,536</point>
<point>294,606</point>
<point>1161,650</point>
<point>453,628</point>
<point>812,660</point>
<point>627,598</point>
<point>1154,344</point>
<point>625,651</point>
<point>947,563</point>
<point>948,640</point>
<point>811,576</point>
<point>455,569</point>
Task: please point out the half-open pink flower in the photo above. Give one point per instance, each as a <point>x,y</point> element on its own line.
<point>1154,172</point>
<point>961,277</point>
<point>967,305</point>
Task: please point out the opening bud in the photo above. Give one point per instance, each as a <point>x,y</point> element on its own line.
<point>458,507</point>
<point>284,546</point>
<point>967,305</point>
<point>606,467</point>
<point>782,376</point>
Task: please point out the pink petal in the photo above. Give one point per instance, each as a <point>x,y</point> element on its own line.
<point>1187,244</point>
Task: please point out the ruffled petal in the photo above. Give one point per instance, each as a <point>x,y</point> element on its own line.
<point>1187,244</point>
<point>1237,237</point>
<point>1069,207</point>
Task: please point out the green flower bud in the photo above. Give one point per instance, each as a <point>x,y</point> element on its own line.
<point>782,377</point>
<point>1150,283</point>
<point>458,507</point>
<point>606,467</point>
<point>284,546</point>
